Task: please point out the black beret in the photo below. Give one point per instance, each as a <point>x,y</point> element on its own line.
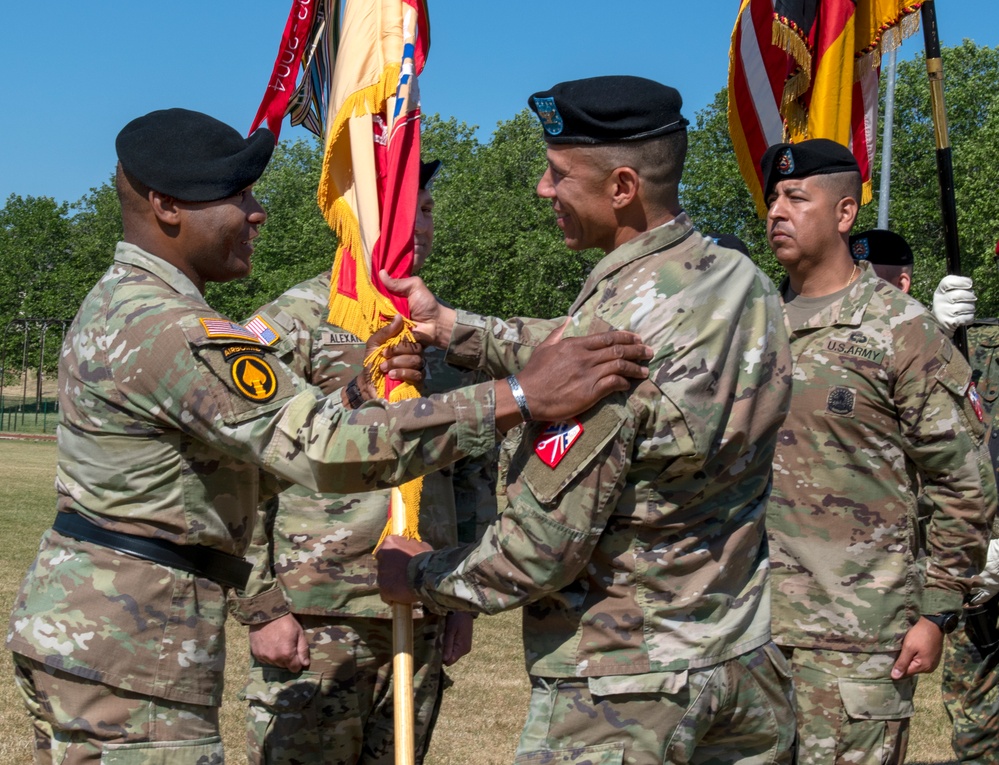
<point>608,110</point>
<point>817,156</point>
<point>881,247</point>
<point>191,156</point>
<point>428,171</point>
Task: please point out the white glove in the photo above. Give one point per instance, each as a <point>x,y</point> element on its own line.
<point>954,303</point>
<point>988,584</point>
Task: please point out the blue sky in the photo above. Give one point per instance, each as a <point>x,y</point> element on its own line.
<point>74,72</point>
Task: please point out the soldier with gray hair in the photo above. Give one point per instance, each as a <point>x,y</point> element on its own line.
<point>882,408</point>
<point>633,536</point>
<point>168,411</point>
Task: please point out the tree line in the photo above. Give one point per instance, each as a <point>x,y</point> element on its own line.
<point>497,249</point>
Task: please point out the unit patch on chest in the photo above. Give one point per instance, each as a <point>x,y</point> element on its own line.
<point>841,400</point>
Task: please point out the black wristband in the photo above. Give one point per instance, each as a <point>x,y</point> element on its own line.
<point>354,396</point>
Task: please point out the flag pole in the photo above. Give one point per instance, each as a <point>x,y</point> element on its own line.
<point>402,657</point>
<point>884,196</point>
<point>945,165</point>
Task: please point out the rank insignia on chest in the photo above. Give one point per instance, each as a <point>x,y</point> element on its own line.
<point>976,402</point>
<point>253,377</point>
<point>556,440</point>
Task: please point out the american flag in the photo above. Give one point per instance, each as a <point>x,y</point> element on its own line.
<point>262,330</point>
<point>556,440</point>
<point>227,328</point>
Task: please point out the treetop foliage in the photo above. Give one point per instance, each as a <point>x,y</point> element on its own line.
<point>497,249</point>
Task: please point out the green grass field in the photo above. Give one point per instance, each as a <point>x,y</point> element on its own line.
<point>482,712</point>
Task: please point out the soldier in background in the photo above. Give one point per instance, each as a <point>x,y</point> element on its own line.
<point>320,688</point>
<point>880,397</point>
<point>888,253</point>
<point>971,656</point>
<point>168,411</point>
<point>633,536</point>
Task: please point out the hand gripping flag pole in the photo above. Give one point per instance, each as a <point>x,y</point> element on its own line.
<point>359,93</point>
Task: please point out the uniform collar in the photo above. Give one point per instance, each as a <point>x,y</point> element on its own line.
<point>849,310</point>
<point>135,256</point>
<point>659,238</point>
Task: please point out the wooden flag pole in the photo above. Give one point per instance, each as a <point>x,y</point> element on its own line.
<point>402,658</point>
<point>945,165</point>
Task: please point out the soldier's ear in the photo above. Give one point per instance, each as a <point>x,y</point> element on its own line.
<point>625,187</point>
<point>164,207</point>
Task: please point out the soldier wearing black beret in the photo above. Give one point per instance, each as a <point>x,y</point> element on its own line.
<point>881,413</point>
<point>888,253</point>
<point>634,536</point>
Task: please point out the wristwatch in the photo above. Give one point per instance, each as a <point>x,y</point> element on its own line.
<point>947,621</point>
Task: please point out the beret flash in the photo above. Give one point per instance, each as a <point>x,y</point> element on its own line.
<point>191,156</point>
<point>881,247</point>
<point>818,156</point>
<point>610,109</point>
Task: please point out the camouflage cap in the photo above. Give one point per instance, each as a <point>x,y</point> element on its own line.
<point>881,247</point>
<point>609,109</point>
<point>817,156</point>
<point>192,156</point>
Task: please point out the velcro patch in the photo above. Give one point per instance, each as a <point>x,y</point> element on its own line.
<point>556,440</point>
<point>339,338</point>
<point>976,402</point>
<point>253,377</point>
<point>231,350</point>
<point>265,332</point>
<point>597,427</point>
<point>841,400</point>
<point>857,345</point>
<point>216,327</point>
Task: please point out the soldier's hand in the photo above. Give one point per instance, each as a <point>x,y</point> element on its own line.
<point>434,321</point>
<point>393,557</point>
<point>921,649</point>
<point>567,377</point>
<point>954,303</point>
<point>457,636</point>
<point>280,643</point>
<point>403,362</point>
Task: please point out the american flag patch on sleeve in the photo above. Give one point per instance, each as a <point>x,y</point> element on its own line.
<point>227,328</point>
<point>264,332</point>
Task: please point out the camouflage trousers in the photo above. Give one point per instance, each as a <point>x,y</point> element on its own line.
<point>850,711</point>
<point>78,721</point>
<point>340,710</point>
<point>970,689</point>
<point>739,711</point>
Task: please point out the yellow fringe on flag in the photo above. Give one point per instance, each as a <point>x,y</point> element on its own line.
<point>364,315</point>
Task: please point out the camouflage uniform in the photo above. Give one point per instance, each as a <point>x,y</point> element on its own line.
<point>970,682</point>
<point>165,421</point>
<point>879,398</point>
<point>317,549</point>
<point>640,557</point>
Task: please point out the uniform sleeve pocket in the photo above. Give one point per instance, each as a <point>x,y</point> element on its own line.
<point>877,699</point>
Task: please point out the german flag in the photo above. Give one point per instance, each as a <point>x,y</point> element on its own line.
<point>802,69</point>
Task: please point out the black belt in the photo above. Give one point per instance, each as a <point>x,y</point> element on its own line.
<point>194,559</point>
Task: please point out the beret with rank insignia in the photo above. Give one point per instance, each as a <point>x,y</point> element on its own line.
<point>881,248</point>
<point>817,156</point>
<point>611,109</point>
